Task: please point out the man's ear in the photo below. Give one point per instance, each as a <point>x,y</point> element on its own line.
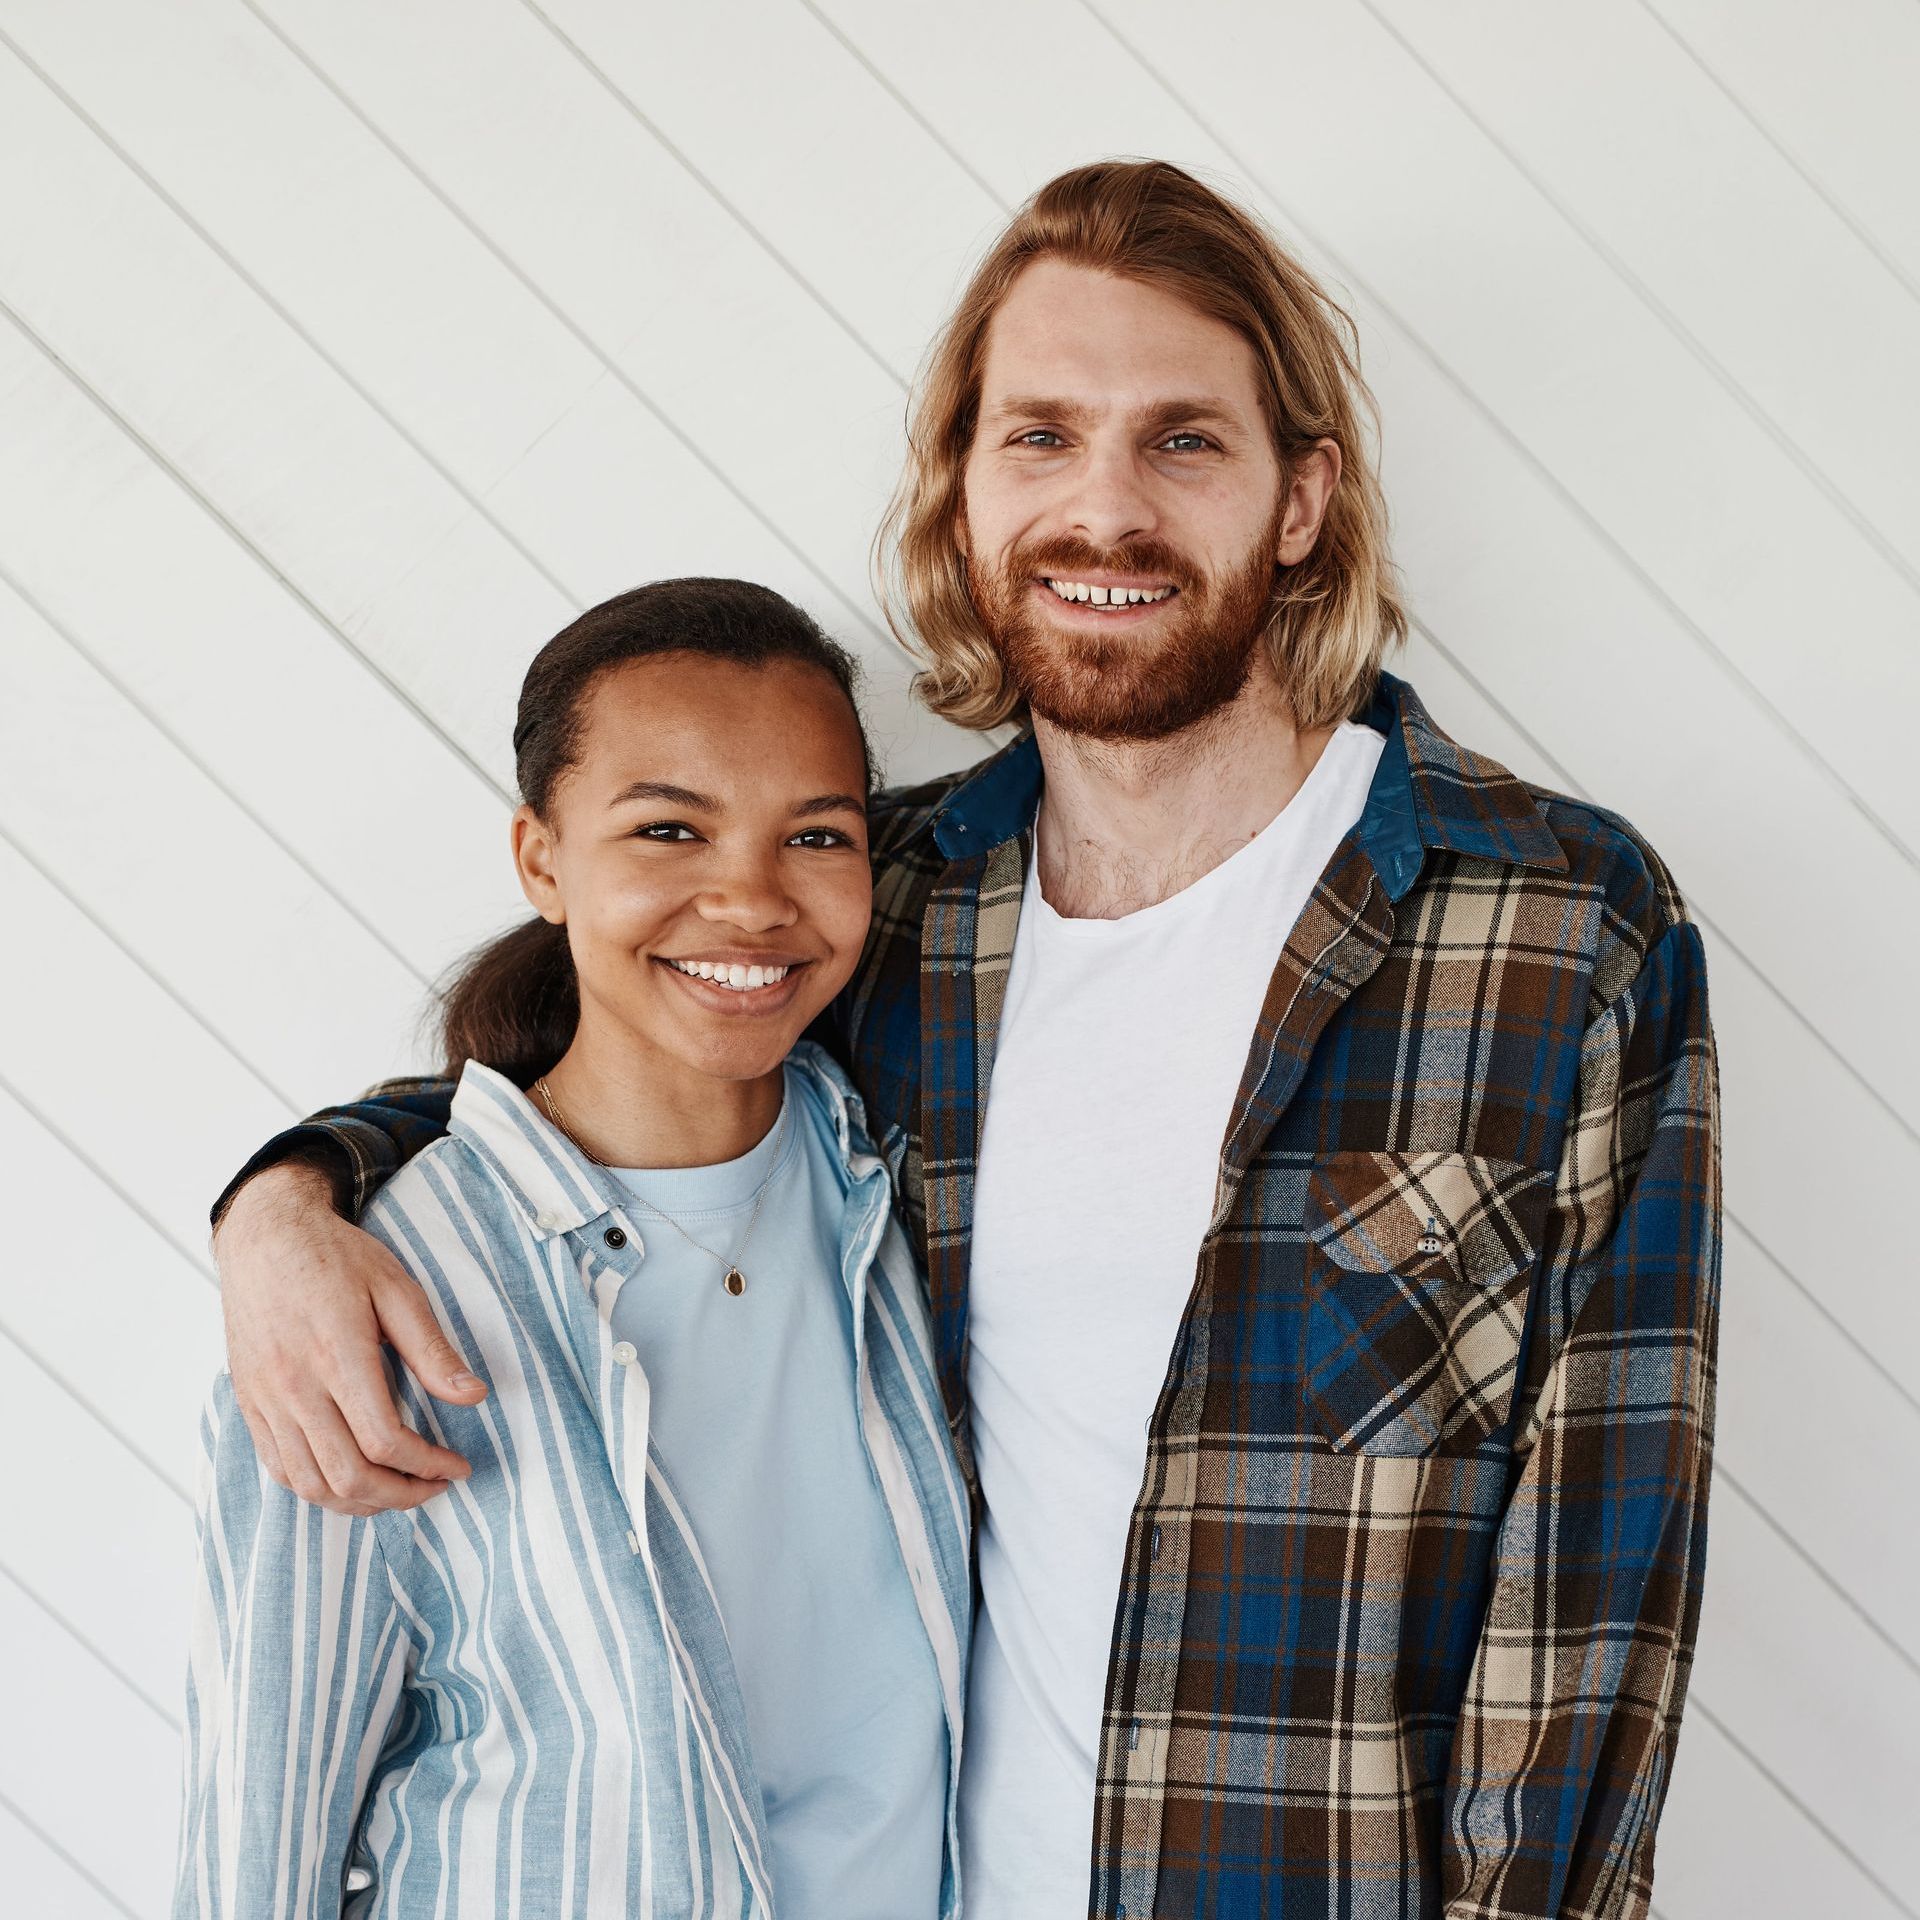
<point>533,851</point>
<point>1309,493</point>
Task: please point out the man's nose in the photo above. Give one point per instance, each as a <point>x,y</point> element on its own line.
<point>1112,500</point>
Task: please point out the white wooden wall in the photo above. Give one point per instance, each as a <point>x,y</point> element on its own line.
<point>348,346</point>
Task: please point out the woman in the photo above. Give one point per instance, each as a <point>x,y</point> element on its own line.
<point>690,1638</point>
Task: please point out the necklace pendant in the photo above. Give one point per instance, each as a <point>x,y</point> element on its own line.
<point>735,1282</point>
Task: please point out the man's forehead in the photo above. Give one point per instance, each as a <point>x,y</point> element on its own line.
<point>1067,333</point>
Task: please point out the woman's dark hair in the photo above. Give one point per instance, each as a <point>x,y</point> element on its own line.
<point>514,1003</point>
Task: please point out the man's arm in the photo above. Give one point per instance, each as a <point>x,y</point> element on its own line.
<point>308,1298</point>
<point>1565,1745</point>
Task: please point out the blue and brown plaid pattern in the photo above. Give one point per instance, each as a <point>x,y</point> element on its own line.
<point>1411,1587</point>
<point>1412,1583</point>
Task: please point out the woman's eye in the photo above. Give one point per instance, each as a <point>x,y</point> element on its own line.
<point>665,830</point>
<point>820,837</point>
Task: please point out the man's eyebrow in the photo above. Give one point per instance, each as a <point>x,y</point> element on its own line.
<point>670,795</point>
<point>1170,412</point>
<point>830,803</point>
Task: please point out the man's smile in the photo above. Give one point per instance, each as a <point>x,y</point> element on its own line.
<point>1109,596</point>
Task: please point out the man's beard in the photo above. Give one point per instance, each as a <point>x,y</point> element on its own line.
<point>1132,685</point>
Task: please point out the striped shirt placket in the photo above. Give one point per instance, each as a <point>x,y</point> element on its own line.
<point>626,1400</point>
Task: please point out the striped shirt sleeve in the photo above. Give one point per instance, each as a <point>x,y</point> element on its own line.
<point>1565,1741</point>
<point>297,1662</point>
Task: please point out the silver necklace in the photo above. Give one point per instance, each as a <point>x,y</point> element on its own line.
<point>733,1279</point>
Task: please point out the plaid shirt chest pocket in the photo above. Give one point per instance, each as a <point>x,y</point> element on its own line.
<point>1418,1269</point>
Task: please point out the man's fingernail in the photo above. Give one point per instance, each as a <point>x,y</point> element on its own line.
<point>463,1381</point>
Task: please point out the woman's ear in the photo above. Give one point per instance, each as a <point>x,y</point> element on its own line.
<point>533,860</point>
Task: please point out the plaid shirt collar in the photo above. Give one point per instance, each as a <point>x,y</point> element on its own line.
<point>1424,795</point>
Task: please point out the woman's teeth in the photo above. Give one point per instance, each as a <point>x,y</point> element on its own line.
<point>1080,591</point>
<point>736,977</point>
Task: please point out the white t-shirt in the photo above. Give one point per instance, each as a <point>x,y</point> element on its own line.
<point>1121,1047</point>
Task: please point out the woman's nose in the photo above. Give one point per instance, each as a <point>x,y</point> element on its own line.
<point>752,897</point>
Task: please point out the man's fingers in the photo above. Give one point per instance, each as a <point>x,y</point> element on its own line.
<point>381,1439</point>
<point>417,1337</point>
<point>357,1484</point>
<point>303,1473</point>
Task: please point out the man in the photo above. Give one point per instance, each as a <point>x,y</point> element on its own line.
<point>1310,1131</point>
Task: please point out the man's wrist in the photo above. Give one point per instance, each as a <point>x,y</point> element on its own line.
<point>289,1188</point>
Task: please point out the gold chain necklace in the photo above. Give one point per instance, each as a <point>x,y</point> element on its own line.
<point>733,1279</point>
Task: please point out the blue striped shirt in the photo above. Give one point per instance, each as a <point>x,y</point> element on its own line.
<point>520,1698</point>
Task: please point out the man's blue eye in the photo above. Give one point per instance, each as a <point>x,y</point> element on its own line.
<point>1199,439</point>
<point>1033,434</point>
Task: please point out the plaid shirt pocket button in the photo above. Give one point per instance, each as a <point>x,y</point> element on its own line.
<point>1418,1271</point>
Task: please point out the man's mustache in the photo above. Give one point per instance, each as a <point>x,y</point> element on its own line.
<point>1065,558</point>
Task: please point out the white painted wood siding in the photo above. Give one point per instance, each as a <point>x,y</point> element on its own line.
<point>348,346</point>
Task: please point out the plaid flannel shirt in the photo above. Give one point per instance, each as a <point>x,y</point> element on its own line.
<point>1408,1605</point>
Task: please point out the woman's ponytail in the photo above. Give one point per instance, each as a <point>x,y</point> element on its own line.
<point>513,1005</point>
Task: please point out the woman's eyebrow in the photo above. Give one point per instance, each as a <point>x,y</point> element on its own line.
<point>669,795</point>
<point>830,803</point>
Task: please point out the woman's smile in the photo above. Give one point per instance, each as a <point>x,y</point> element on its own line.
<point>734,986</point>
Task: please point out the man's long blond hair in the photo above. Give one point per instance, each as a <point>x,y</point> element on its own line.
<point>1335,614</point>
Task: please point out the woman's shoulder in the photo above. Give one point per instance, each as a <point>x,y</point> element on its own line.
<point>444,1188</point>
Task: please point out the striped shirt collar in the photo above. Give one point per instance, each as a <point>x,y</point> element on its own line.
<point>557,1188</point>
<point>1428,793</point>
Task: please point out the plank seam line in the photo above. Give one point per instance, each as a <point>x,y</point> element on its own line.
<point>285,316</point>
<point>1835,205</point>
<point>65,633</point>
<point>574,329</point>
<point>1551,481</point>
<point>73,1633</point>
<point>1707,921</point>
<point>633,109</point>
<point>1735,389</point>
<point>1793,1799</point>
<point>295,593</point>
<point>198,1262</point>
<point>1819,1572</point>
<point>193,1013</point>
<point>907,107</point>
<point>86,1406</point>
<point>54,1847</point>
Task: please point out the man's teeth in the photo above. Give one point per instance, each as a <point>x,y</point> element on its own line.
<point>1107,596</point>
<point>740,979</point>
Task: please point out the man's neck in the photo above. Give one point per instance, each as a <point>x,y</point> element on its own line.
<point>1124,826</point>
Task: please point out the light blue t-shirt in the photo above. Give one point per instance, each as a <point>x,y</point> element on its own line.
<point>754,1415</point>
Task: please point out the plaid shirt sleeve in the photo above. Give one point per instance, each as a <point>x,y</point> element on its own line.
<point>360,1145</point>
<point>1565,1741</point>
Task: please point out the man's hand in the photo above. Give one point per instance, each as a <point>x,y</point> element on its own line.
<point>308,1299</point>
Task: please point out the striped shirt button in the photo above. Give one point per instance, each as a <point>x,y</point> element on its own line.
<point>626,1352</point>
<point>616,1239</point>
